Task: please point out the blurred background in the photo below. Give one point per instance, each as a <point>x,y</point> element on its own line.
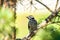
<point>13,21</point>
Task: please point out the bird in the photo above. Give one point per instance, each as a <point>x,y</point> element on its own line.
<point>32,24</point>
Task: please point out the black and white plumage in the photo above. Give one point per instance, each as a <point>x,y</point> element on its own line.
<point>32,24</point>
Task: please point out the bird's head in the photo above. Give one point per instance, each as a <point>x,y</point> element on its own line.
<point>30,17</point>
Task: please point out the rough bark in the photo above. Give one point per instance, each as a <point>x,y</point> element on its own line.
<point>14,33</point>
<point>14,28</point>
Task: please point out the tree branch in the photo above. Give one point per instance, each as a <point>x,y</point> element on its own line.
<point>43,24</point>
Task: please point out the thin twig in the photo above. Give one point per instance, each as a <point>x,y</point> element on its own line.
<point>44,5</point>
<point>56,4</point>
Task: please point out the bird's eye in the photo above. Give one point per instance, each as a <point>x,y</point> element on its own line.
<point>32,18</point>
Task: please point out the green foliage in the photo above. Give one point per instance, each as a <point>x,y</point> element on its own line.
<point>50,32</point>
<point>56,19</point>
<point>6,18</point>
<point>42,17</point>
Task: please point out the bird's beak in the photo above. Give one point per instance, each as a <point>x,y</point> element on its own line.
<point>26,17</point>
